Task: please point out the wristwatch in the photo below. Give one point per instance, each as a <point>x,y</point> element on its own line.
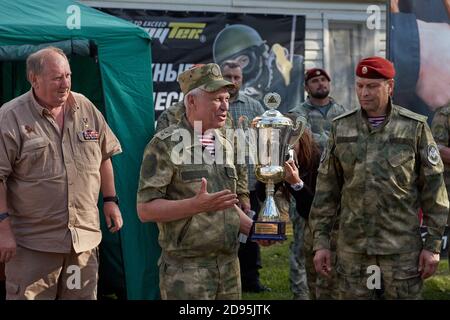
<point>3,216</point>
<point>298,186</point>
<point>111,199</point>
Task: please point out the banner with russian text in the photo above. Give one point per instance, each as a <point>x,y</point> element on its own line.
<point>270,49</point>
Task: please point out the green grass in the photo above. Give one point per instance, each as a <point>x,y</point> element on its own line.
<point>275,271</point>
<point>275,274</point>
<point>438,286</point>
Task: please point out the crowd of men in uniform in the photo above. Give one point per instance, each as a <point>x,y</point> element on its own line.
<point>379,165</point>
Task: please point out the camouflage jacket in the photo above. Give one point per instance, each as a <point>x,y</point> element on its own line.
<point>440,127</point>
<point>167,173</point>
<point>376,179</point>
<point>173,115</point>
<point>318,123</point>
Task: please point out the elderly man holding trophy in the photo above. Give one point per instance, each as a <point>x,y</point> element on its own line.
<point>188,186</point>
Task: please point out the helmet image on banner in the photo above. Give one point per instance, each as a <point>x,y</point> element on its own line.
<point>264,68</point>
<point>233,40</point>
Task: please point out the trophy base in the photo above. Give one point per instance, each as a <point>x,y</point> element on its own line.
<point>269,230</point>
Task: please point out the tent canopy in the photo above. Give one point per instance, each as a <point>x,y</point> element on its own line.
<point>111,64</point>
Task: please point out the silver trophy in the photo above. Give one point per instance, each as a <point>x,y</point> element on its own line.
<point>273,137</point>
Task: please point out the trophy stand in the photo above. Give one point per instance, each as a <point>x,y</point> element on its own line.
<point>269,227</point>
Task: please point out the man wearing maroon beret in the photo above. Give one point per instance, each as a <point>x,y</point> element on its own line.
<point>318,109</point>
<point>380,166</point>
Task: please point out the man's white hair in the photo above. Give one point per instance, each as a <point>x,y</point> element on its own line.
<point>36,61</point>
<point>194,92</point>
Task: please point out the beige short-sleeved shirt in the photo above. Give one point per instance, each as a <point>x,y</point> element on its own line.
<point>53,176</point>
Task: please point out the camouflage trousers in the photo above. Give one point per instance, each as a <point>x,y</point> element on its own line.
<point>297,272</point>
<point>395,276</point>
<point>320,287</point>
<point>203,278</point>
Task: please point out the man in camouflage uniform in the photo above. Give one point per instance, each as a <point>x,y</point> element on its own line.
<point>380,165</point>
<point>194,202</point>
<point>175,113</point>
<point>440,128</point>
<point>318,109</point>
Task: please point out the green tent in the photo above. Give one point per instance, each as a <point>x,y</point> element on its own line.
<point>111,64</point>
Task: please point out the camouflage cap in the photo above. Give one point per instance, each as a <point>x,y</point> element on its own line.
<point>207,77</point>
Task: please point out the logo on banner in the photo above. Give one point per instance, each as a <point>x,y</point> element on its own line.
<point>163,30</point>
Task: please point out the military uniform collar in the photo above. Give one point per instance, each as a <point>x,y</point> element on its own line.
<point>391,111</point>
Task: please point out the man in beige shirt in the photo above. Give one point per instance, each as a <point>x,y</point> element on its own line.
<point>55,150</point>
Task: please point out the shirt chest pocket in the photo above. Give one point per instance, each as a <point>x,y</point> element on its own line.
<point>35,145</point>
<point>402,164</point>
<point>230,177</point>
<point>189,179</point>
<point>346,152</point>
<point>87,152</point>
<point>35,160</point>
<point>193,173</point>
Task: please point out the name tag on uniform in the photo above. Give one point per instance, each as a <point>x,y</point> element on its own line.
<point>88,135</point>
<point>194,175</point>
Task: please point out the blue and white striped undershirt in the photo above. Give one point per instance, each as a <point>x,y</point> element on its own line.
<point>207,141</point>
<point>376,121</point>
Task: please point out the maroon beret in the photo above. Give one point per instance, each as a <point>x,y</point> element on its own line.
<point>315,72</point>
<point>375,68</point>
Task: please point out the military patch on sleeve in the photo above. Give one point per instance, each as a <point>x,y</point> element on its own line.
<point>433,154</point>
<point>149,166</point>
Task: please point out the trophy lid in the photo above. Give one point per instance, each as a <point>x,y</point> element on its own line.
<point>272,117</point>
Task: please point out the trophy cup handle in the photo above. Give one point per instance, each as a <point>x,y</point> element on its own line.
<point>291,153</point>
<point>298,129</point>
